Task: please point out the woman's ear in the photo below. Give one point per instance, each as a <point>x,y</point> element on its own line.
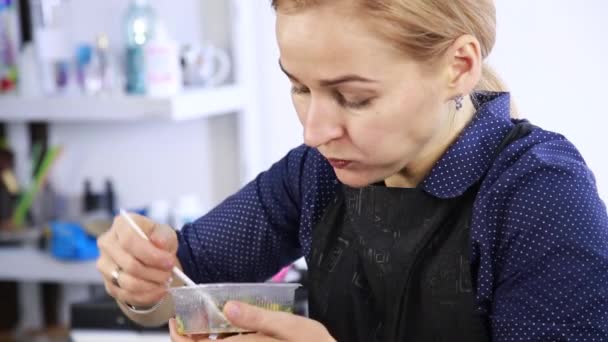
<point>464,65</point>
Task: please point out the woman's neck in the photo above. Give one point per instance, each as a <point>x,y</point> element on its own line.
<point>417,170</point>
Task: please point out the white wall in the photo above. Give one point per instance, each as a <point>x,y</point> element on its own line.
<point>284,131</point>
<point>551,53</point>
<point>148,161</point>
<point>87,18</point>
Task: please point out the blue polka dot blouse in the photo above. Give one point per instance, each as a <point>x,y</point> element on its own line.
<point>539,232</point>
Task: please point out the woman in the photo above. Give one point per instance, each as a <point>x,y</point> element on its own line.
<point>424,211</point>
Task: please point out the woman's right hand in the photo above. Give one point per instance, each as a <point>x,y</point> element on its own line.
<point>143,267</point>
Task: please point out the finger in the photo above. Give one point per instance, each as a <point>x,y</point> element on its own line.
<point>129,264</point>
<point>280,325</point>
<point>137,298</point>
<point>132,284</point>
<point>141,249</point>
<point>131,290</point>
<point>161,235</point>
<point>142,222</point>
<point>222,336</point>
<point>142,299</point>
<point>164,237</point>
<point>252,338</point>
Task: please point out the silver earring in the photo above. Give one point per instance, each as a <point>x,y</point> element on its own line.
<point>458,101</point>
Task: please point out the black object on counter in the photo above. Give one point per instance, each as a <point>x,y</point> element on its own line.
<point>104,314</point>
<point>99,201</point>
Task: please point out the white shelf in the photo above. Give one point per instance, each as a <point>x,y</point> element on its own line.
<point>80,335</point>
<point>32,265</point>
<point>191,104</point>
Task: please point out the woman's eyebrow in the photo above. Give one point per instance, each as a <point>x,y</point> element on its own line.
<point>334,81</point>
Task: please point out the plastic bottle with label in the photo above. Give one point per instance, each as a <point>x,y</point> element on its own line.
<point>139,26</point>
<point>163,70</point>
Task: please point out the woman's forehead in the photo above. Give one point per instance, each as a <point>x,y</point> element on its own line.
<point>320,18</point>
<point>310,42</point>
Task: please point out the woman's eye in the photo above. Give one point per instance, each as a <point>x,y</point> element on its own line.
<point>341,99</point>
<point>358,104</point>
<point>299,90</point>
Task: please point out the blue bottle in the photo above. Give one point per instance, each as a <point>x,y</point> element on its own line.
<point>139,22</point>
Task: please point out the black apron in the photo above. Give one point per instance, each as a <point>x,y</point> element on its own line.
<point>393,264</point>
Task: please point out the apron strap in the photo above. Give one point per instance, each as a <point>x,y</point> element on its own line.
<point>521,129</point>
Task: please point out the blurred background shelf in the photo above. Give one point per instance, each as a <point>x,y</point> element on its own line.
<point>191,104</point>
<point>123,336</point>
<point>203,142</point>
<point>33,265</point>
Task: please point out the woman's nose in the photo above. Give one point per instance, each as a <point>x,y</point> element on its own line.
<point>321,125</point>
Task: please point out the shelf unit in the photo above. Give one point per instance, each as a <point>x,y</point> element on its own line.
<point>38,266</point>
<point>191,104</point>
<point>240,98</point>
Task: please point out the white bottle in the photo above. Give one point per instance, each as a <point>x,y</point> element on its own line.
<point>29,80</point>
<point>163,70</point>
<point>50,22</point>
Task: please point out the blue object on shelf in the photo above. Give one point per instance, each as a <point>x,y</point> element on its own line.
<point>84,53</point>
<point>69,241</point>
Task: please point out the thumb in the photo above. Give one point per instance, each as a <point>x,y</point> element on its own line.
<point>164,237</point>
<point>280,325</point>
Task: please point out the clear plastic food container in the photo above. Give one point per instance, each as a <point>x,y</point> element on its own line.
<point>194,316</point>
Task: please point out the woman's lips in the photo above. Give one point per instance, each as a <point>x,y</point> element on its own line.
<point>338,163</point>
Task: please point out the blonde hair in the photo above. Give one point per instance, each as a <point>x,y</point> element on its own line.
<point>425,29</point>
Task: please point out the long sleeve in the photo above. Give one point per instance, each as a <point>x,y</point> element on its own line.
<point>550,251</point>
<point>253,233</point>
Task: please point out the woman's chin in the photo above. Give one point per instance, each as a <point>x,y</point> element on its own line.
<point>353,179</point>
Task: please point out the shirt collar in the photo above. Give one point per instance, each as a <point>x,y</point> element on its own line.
<point>471,156</point>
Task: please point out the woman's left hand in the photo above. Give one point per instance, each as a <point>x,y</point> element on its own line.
<point>270,326</point>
